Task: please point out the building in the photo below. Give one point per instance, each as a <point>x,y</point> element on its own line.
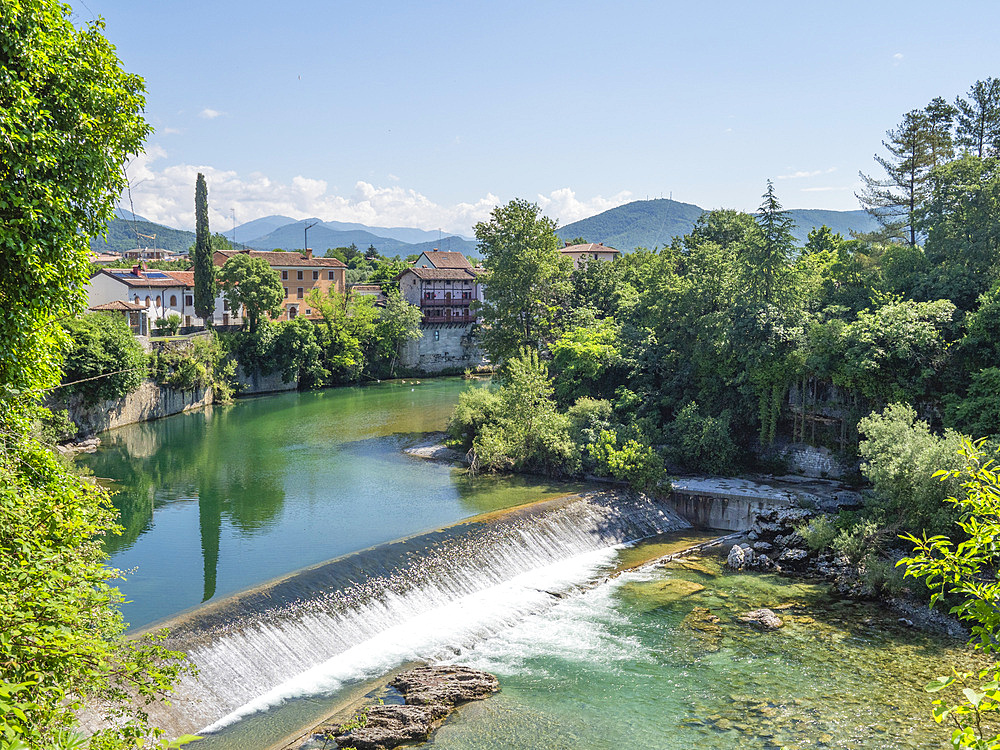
<point>133,312</point>
<point>445,286</point>
<point>159,293</point>
<point>370,290</point>
<point>146,253</point>
<point>587,252</point>
<point>300,273</point>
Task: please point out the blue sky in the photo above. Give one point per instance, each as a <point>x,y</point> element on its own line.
<point>429,114</point>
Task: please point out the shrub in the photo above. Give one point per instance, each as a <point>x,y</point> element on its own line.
<point>819,533</point>
<point>899,456</point>
<point>637,464</point>
<point>104,355</point>
<point>702,443</point>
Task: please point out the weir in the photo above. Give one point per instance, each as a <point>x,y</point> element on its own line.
<point>418,598</point>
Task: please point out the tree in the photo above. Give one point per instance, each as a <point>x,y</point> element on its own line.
<point>70,117</point>
<point>526,277</point>
<point>893,201</point>
<point>768,258</point>
<point>205,284</point>
<point>252,285</point>
<point>398,322</point>
<point>940,120</point>
<point>961,220</point>
<point>978,127</point>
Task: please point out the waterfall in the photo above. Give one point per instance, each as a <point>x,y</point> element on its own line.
<point>419,598</point>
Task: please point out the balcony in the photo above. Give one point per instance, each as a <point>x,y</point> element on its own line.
<point>441,302</point>
<point>460,319</point>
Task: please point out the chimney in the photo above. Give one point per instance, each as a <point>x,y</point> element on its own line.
<point>434,250</point>
<point>566,244</point>
<point>600,244</point>
<point>308,252</point>
<point>136,271</point>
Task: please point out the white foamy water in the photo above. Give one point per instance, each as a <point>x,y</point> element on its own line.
<point>441,633</point>
<point>427,601</point>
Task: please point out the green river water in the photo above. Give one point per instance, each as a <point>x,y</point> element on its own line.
<point>216,501</point>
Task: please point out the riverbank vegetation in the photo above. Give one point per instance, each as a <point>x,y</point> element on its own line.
<point>61,631</point>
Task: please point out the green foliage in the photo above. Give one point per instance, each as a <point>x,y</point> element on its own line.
<point>899,455</point>
<point>398,322</point>
<point>895,352</point>
<point>103,354</point>
<point>52,426</point>
<point>69,118</point>
<point>206,285</point>
<point>966,570</point>
<point>61,643</point>
<point>296,353</point>
<point>197,364</point>
<point>978,412</point>
<point>639,465</point>
<point>252,285</point>
<point>527,277</point>
<point>818,533</point>
<point>701,443</point>
<point>169,325</point>
<point>583,357</point>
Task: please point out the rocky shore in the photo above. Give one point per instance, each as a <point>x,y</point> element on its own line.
<point>773,544</point>
<point>428,695</point>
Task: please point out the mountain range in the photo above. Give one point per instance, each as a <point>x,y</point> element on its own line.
<point>650,224</point>
<point>654,223</point>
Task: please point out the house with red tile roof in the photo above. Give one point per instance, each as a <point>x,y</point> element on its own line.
<point>159,293</point>
<point>300,273</point>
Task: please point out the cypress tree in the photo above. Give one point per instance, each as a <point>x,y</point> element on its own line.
<point>205,285</point>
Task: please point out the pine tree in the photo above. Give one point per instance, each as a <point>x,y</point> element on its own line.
<point>978,130</point>
<point>206,286</point>
<point>768,258</point>
<point>894,201</point>
<point>940,121</point>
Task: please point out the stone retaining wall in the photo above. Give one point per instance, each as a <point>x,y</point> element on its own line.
<point>149,401</point>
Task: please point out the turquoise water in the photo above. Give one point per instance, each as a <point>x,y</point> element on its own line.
<point>221,499</point>
<point>618,664</point>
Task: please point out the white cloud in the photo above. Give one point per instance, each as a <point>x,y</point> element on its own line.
<point>168,131</point>
<point>814,173</point>
<point>209,114</point>
<point>563,205</point>
<point>167,196</point>
<point>897,59</point>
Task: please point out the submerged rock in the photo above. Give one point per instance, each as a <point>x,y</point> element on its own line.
<point>762,619</point>
<point>431,693</point>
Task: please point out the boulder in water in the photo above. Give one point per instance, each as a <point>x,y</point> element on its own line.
<point>431,693</point>
<point>762,619</point>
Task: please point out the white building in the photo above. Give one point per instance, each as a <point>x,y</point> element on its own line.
<point>161,293</point>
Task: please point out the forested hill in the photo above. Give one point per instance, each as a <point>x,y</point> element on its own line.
<point>123,235</point>
<point>656,222</point>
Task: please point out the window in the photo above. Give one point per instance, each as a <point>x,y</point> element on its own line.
<point>315,275</point>
<point>173,300</point>
<point>187,320</point>
<point>158,300</point>
<point>428,295</point>
<point>286,292</point>
<point>299,294</point>
<point>300,275</point>
<point>189,300</point>
<point>284,275</point>
<point>308,311</point>
<point>225,304</point>
<point>330,275</point>
<point>148,300</point>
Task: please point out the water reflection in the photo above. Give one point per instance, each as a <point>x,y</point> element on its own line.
<point>221,499</point>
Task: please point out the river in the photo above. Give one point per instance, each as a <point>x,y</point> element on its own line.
<point>592,652</point>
